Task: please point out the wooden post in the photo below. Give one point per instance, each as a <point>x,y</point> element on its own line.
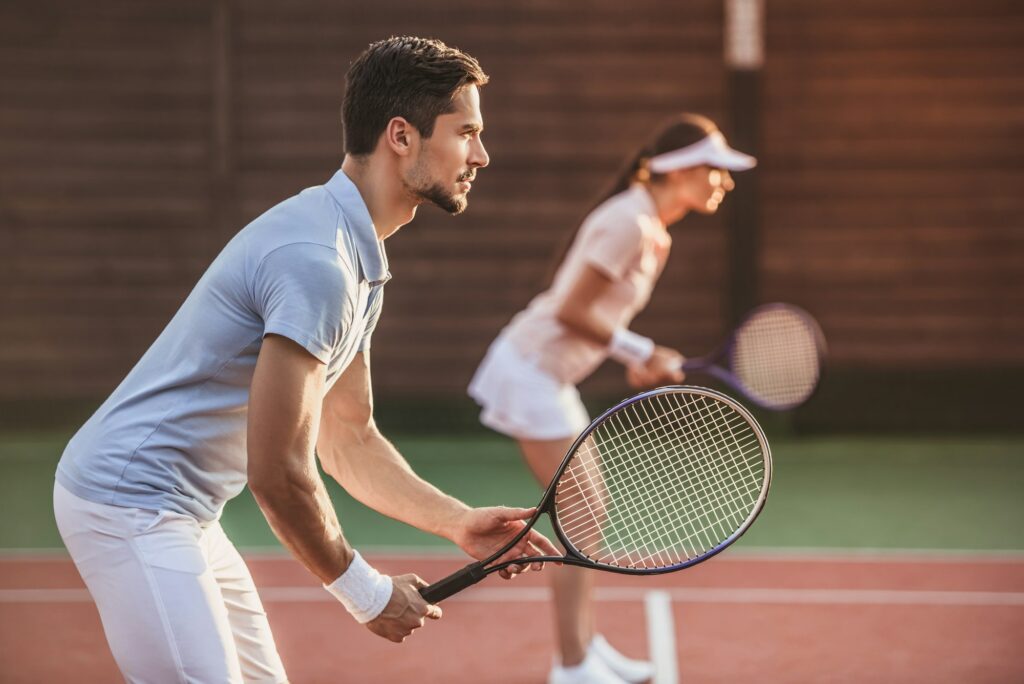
<point>221,162</point>
<point>744,57</point>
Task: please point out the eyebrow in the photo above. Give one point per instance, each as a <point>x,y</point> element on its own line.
<point>471,128</point>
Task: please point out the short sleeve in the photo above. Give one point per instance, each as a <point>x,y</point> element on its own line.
<point>373,309</point>
<point>299,291</point>
<point>612,247</point>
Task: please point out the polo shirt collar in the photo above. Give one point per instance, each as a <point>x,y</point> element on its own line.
<point>373,260</point>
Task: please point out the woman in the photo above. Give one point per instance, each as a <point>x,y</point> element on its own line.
<point>526,384</point>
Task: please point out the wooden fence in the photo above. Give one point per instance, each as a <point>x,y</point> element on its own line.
<point>137,137</point>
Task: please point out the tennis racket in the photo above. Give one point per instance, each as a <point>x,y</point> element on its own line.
<point>660,482</point>
<point>774,357</point>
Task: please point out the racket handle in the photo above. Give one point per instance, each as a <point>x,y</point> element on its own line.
<point>453,583</point>
<point>695,363</point>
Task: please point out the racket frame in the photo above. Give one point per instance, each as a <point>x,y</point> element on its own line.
<point>718,362</point>
<point>473,573</point>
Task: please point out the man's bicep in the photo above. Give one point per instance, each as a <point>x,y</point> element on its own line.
<point>284,404</point>
<point>349,404</point>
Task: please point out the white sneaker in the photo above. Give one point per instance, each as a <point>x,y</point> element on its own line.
<point>592,670</point>
<point>633,671</point>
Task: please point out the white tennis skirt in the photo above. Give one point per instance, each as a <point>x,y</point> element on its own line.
<point>522,401</point>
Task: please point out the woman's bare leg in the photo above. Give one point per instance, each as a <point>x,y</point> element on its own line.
<point>573,587</point>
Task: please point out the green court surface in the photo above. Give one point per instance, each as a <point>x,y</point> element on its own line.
<point>963,493</point>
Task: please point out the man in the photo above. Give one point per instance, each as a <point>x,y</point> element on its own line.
<point>266,364</point>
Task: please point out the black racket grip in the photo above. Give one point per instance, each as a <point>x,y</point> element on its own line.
<point>453,583</point>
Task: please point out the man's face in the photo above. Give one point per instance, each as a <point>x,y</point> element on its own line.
<point>447,161</point>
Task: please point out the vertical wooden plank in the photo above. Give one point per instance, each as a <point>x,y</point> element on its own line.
<point>744,57</point>
<point>222,196</point>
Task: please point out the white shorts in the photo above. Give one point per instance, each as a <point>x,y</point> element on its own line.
<point>522,401</point>
<point>176,600</point>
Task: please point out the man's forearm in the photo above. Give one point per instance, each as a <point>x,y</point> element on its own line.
<point>372,470</point>
<point>301,515</point>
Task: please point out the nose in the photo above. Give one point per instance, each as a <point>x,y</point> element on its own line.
<point>478,157</point>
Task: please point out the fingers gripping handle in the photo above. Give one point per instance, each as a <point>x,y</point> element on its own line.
<point>456,582</point>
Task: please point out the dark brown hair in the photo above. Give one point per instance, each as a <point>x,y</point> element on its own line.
<point>414,78</point>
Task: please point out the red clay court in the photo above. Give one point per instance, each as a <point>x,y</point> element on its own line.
<point>742,616</point>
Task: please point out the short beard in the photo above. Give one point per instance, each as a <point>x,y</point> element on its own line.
<point>436,195</point>
<point>435,192</point>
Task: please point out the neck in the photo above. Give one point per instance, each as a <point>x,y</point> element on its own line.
<point>667,203</point>
<point>380,184</point>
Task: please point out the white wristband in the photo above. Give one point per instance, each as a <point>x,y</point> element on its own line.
<point>361,589</point>
<point>630,349</point>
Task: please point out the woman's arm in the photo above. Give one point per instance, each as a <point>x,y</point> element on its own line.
<point>577,313</point>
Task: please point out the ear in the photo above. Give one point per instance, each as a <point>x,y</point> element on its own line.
<point>401,136</point>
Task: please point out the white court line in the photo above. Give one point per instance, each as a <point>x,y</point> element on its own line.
<point>620,595</point>
<point>661,636</point>
<point>736,555</point>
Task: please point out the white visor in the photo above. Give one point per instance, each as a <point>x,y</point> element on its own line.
<point>712,150</point>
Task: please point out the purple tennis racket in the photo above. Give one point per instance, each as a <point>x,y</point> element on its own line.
<point>660,482</point>
<point>774,357</point>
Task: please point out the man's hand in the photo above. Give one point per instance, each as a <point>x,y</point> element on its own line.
<point>405,612</point>
<point>482,531</point>
<point>664,367</point>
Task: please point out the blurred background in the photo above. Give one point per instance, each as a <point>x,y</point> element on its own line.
<point>137,137</point>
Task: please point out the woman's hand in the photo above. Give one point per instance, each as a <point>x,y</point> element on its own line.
<point>665,367</point>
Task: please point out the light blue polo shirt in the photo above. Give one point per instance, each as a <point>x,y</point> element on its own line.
<point>172,435</point>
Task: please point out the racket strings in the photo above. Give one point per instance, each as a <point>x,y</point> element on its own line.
<point>662,481</point>
<point>643,478</point>
<point>716,507</point>
<point>777,356</point>
<point>630,541</point>
<point>694,508</point>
